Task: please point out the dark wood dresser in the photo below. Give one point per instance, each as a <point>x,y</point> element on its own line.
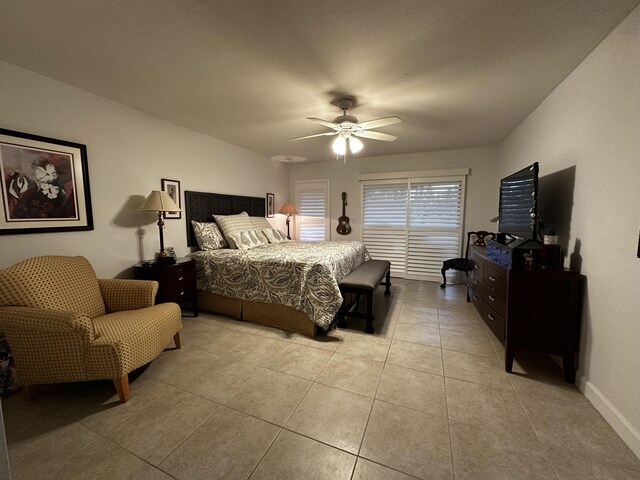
<point>177,281</point>
<point>528,308</point>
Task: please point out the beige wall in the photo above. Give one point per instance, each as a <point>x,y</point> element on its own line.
<point>481,194</point>
<point>589,129</point>
<point>129,152</point>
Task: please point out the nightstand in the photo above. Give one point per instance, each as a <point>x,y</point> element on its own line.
<point>177,281</point>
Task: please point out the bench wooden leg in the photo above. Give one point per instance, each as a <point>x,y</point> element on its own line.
<point>387,288</point>
<point>342,314</point>
<point>369,327</point>
<point>176,340</point>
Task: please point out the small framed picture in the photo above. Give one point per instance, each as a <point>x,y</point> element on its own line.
<point>172,188</point>
<point>270,201</point>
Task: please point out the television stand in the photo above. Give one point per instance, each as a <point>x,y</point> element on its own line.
<point>528,308</point>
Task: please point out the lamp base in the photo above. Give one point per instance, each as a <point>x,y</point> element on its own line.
<point>165,259</point>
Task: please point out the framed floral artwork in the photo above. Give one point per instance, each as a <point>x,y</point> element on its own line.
<point>172,188</point>
<point>45,185</point>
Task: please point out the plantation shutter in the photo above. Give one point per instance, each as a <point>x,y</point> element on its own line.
<point>384,227</point>
<point>312,222</point>
<point>415,223</point>
<point>435,226</point>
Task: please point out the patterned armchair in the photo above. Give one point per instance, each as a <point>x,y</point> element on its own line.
<point>63,324</point>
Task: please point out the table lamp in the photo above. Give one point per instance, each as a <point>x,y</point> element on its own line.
<point>160,202</point>
<point>288,210</point>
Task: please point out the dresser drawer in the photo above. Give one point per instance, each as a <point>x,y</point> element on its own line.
<point>476,298</point>
<point>496,301</point>
<point>478,264</point>
<point>495,279</point>
<point>494,320</point>
<point>475,279</point>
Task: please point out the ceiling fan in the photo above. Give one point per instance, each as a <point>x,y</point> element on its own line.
<point>348,128</point>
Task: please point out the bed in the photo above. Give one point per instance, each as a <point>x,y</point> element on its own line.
<point>290,285</point>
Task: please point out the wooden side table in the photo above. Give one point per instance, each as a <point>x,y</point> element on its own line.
<point>177,281</point>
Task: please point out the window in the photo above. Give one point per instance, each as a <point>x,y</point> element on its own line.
<point>312,199</point>
<point>435,227</point>
<point>385,223</point>
<point>415,223</point>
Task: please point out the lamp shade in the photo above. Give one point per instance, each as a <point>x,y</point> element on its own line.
<point>158,201</point>
<point>288,209</point>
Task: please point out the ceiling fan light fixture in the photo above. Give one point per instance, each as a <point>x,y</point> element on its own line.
<point>339,145</point>
<point>355,145</point>
<point>347,127</point>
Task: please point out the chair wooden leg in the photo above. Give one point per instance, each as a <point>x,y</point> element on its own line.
<point>29,392</point>
<point>176,340</point>
<point>122,387</point>
<point>444,277</point>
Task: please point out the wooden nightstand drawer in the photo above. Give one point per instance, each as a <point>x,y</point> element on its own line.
<point>177,282</point>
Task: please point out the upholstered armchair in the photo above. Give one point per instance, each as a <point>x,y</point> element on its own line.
<point>63,324</point>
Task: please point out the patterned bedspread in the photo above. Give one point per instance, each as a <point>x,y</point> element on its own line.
<point>301,275</point>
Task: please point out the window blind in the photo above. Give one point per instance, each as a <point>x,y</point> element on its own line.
<point>416,224</point>
<point>312,211</point>
<point>384,227</point>
<point>435,227</point>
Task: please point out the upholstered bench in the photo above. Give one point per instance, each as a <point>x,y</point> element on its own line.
<point>363,281</point>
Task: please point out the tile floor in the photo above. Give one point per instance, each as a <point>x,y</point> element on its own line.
<point>425,397</point>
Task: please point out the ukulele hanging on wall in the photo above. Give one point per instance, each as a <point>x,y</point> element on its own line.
<point>343,222</point>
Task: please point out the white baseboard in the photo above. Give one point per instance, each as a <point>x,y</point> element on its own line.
<point>629,434</point>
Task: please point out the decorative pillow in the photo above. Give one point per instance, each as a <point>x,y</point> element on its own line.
<point>275,236</point>
<point>230,224</point>
<point>208,236</point>
<point>260,223</point>
<point>248,239</point>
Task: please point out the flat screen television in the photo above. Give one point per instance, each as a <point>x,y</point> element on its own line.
<point>518,214</point>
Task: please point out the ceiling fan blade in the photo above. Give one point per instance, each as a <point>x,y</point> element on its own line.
<point>375,135</point>
<point>379,122</point>
<point>311,136</point>
<point>326,123</point>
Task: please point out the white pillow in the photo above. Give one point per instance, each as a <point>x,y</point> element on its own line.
<point>248,239</point>
<point>230,224</point>
<point>208,236</point>
<point>275,236</point>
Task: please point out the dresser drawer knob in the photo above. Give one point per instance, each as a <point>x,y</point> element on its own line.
<point>492,298</point>
<point>477,267</point>
<point>181,293</point>
<point>180,278</point>
<point>493,279</point>
<point>475,282</point>
<point>491,317</point>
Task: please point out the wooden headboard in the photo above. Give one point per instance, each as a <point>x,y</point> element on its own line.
<point>201,207</point>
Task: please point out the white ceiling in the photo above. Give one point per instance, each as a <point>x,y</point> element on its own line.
<point>460,73</point>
